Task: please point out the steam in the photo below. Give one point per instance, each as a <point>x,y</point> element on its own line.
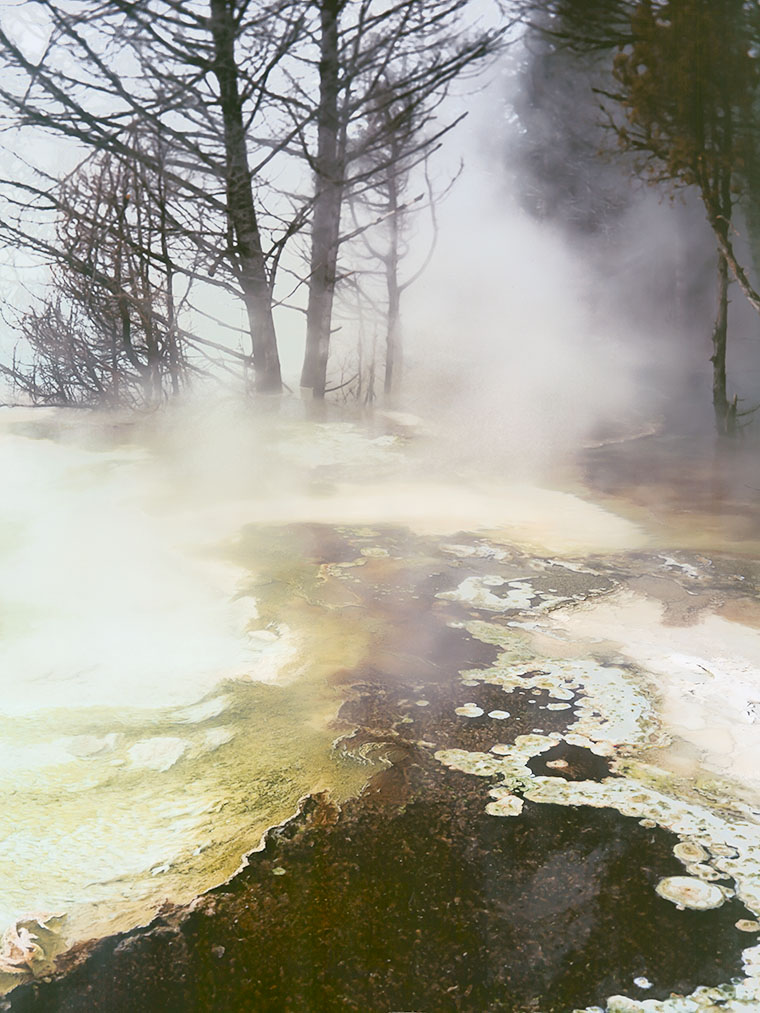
<point>528,338</point>
<point>101,605</point>
<point>133,646</point>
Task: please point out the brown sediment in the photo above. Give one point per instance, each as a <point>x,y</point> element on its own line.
<point>744,610</point>
<point>698,492</point>
<point>680,607</point>
<point>412,896</point>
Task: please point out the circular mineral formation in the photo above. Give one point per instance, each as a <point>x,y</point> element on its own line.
<point>705,872</point>
<point>469,710</point>
<point>685,891</point>
<point>509,805</point>
<point>689,852</point>
<point>723,851</point>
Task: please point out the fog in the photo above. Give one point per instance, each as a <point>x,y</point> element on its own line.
<point>192,591</point>
<point>532,337</point>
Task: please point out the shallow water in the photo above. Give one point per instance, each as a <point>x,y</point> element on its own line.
<point>699,493</point>
<point>184,614</point>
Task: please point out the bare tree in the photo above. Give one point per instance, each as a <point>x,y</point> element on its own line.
<point>197,81</point>
<point>683,102</point>
<point>109,333</point>
<point>408,52</point>
<point>396,185</point>
<point>243,97</point>
<point>687,84</point>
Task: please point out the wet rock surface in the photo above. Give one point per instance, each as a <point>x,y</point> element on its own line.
<point>412,898</point>
<point>419,894</point>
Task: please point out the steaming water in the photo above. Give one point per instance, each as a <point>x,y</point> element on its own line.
<point>144,742</point>
<point>164,679</point>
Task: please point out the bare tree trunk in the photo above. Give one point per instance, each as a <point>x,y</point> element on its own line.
<point>719,226</point>
<point>172,338</point>
<point>393,340</point>
<point>719,338</point>
<point>393,337</point>
<point>329,170</point>
<point>250,264</point>
<point>725,412</point>
<point>152,381</point>
<point>369,397</point>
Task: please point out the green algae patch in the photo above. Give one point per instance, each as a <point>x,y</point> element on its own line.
<point>108,813</point>
<point>162,809</point>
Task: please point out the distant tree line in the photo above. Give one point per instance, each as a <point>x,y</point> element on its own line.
<point>227,146</point>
